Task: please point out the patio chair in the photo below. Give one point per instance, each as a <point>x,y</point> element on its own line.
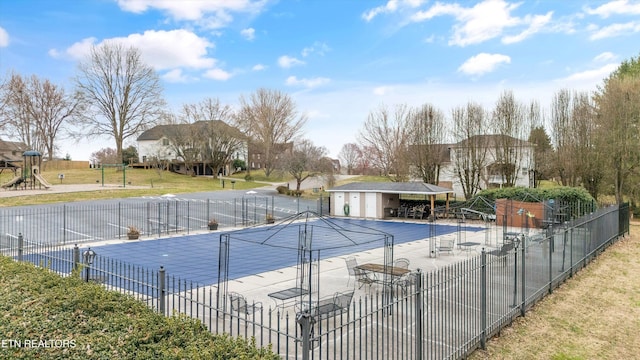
<point>351,267</point>
<point>364,278</point>
<point>239,303</point>
<point>401,263</point>
<point>446,245</point>
<point>405,281</point>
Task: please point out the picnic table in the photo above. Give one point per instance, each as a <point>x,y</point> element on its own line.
<point>283,297</point>
<point>380,268</point>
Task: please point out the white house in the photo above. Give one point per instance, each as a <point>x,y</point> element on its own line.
<point>156,143</point>
<point>492,154</point>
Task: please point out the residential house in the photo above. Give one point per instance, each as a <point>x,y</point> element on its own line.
<point>11,151</point>
<point>258,158</point>
<point>501,160</point>
<point>160,143</point>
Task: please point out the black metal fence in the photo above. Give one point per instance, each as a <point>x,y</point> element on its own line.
<point>79,223</point>
<point>446,313</point>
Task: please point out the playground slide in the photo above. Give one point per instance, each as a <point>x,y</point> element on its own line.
<point>15,180</point>
<point>42,181</point>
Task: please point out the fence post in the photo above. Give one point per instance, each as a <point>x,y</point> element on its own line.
<point>552,240</point>
<point>159,219</point>
<point>76,257</point>
<point>161,290</point>
<point>515,276</point>
<point>119,219</point>
<point>20,246</point>
<point>64,224</point>
<point>523,285</point>
<point>304,320</point>
<point>419,320</point>
<point>571,252</point>
<point>483,299</point>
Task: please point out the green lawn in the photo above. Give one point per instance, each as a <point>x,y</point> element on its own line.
<point>154,183</point>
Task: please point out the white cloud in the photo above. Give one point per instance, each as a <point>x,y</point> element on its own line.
<point>317,48</point>
<point>614,30</point>
<point>217,74</point>
<point>536,24</point>
<point>248,34</point>
<point>208,14</point>
<point>308,83</point>
<point>175,76</point>
<point>258,67</point>
<point>484,21</point>
<point>381,90</point>
<point>78,50</point>
<point>4,37</point>
<point>618,7</point>
<point>389,7</point>
<point>483,63</point>
<point>605,56</point>
<point>288,61</point>
<point>186,50</point>
<point>591,76</point>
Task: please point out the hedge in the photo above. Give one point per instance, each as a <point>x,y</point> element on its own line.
<point>46,316</point>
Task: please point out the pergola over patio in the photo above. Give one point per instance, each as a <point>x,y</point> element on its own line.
<point>301,240</point>
<point>378,199</point>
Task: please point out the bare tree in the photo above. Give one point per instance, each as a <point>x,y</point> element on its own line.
<point>50,108</point>
<point>562,137</point>
<point>183,140</point>
<point>16,118</point>
<point>350,156</point>
<point>270,120</point>
<point>209,135</point>
<point>469,154</point>
<point>427,153</point>
<point>105,156</point>
<point>4,88</point>
<point>306,160</point>
<point>121,93</point>
<point>509,122</point>
<point>386,136</point>
<point>589,167</point>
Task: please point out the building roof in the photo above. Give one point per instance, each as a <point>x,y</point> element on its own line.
<point>491,140</point>
<point>8,148</point>
<point>412,187</point>
<point>159,131</point>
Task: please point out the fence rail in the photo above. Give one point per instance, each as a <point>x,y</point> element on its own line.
<point>446,313</point>
<point>80,223</point>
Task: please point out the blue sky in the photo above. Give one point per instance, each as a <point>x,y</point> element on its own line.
<point>338,59</point>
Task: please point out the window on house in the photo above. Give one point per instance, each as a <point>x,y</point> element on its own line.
<point>165,142</point>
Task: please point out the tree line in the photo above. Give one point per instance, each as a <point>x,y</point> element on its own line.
<point>588,139</point>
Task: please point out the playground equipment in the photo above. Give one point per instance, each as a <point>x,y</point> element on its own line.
<point>16,181</point>
<point>29,174</point>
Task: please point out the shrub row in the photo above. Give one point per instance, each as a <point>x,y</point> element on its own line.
<point>283,190</point>
<point>564,193</point>
<point>46,316</point>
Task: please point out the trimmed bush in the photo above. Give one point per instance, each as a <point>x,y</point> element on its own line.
<point>51,317</point>
<point>564,193</point>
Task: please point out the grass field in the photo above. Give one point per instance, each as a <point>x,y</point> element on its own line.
<point>594,315</point>
<point>154,183</point>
